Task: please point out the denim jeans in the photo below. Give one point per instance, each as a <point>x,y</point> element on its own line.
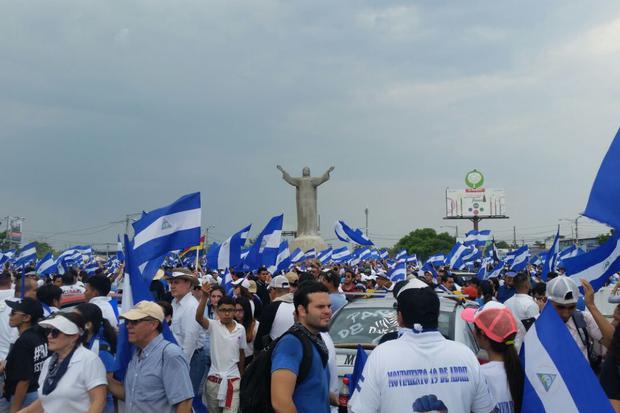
<point>198,368</point>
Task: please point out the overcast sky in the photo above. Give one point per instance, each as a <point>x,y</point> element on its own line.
<point>114,107</point>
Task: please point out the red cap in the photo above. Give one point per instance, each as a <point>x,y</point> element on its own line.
<point>494,319</point>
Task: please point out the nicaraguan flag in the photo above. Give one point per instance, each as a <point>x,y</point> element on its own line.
<point>597,265</point>
<point>483,270</point>
<point>358,369</point>
<point>310,254</point>
<point>398,273</point>
<point>455,254</point>
<point>536,260</point>
<point>558,378</point>
<point>497,270</point>
<point>437,259</point>
<point>412,258</point>
<point>401,255</point>
<point>551,256</point>
<point>46,265</point>
<point>228,254</point>
<point>520,258</point>
<point>173,227</point>
<point>383,254</point>
<point>227,282</point>
<point>341,254</point>
<point>119,249</point>
<point>605,194</point>
<point>325,256</point>
<point>347,234</point>
<point>91,267</point>
<point>27,254</point>
<point>264,251</point>
<point>283,260</point>
<point>477,238</point>
<point>297,256</point>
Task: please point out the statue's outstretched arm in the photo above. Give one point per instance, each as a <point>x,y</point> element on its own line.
<point>287,177</point>
<point>323,178</point>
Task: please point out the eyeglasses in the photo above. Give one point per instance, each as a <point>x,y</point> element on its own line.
<point>54,332</point>
<point>239,310</point>
<point>226,310</point>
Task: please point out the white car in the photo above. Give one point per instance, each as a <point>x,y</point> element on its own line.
<point>365,321</point>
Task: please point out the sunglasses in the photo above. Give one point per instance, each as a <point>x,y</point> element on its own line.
<point>54,332</point>
<point>226,310</point>
<point>565,307</point>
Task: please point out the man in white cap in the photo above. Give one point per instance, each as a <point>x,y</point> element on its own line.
<point>587,327</point>
<point>421,367</point>
<point>157,378</point>
<point>277,316</point>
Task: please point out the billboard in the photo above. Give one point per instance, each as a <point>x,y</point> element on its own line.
<point>15,229</point>
<point>475,202</point>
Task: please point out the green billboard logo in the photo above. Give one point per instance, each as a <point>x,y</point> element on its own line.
<point>474,179</point>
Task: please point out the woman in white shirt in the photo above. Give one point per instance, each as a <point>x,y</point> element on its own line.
<point>73,379</point>
<point>495,329</point>
<point>243,315</point>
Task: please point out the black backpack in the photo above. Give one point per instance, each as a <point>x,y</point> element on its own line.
<point>255,387</point>
<point>582,330</point>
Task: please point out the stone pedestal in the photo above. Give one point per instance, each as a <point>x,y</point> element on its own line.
<point>307,242</point>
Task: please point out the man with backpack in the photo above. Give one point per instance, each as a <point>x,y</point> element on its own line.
<point>588,328</point>
<point>289,358</point>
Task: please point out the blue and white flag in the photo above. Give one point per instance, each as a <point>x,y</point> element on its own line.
<point>536,260</point>
<point>227,282</point>
<point>597,265</point>
<point>92,267</point>
<point>398,273</point>
<point>283,260</point>
<point>264,251</point>
<point>325,256</point>
<point>360,255</point>
<point>497,270</point>
<point>119,249</point>
<point>520,258</point>
<point>412,258</point>
<point>170,228</point>
<point>297,256</point>
<point>46,265</point>
<point>347,234</point>
<point>551,256</point>
<point>310,254</point>
<point>28,253</point>
<point>558,378</point>
<point>383,254</point>
<point>605,194</point>
<point>341,254</point>
<point>483,270</point>
<point>401,255</point>
<point>455,254</point>
<point>477,238</point>
<point>228,254</point>
<point>437,259</point>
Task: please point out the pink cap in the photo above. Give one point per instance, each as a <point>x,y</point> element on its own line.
<point>494,319</point>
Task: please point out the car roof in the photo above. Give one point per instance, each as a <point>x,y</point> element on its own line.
<point>446,303</point>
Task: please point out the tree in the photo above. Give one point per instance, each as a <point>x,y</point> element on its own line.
<point>603,237</point>
<point>43,248</point>
<point>502,244</point>
<point>425,242</point>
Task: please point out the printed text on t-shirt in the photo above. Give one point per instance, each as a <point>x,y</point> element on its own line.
<point>440,375</point>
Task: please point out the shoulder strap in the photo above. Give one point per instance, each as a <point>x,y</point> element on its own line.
<point>582,329</point>
<point>163,353</point>
<point>306,359</point>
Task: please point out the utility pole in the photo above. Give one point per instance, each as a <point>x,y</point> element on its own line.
<point>577,231</point>
<point>514,236</point>
<point>366,212</point>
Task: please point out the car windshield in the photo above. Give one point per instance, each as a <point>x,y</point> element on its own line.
<point>366,325</point>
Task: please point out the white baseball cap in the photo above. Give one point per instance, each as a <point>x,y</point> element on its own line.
<point>62,324</point>
<point>243,282</point>
<point>563,290</point>
<point>279,281</point>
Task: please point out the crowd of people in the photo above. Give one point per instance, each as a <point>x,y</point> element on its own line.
<point>261,342</point>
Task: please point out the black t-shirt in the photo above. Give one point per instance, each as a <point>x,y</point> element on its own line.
<point>25,360</point>
<point>610,378</point>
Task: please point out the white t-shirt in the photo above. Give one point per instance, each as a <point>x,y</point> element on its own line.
<point>495,375</point>
<point>106,309</point>
<point>85,372</point>
<point>283,320</point>
<point>225,346</point>
<point>188,333</point>
<point>522,306</point>
<point>416,368</point>
<point>249,350</point>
